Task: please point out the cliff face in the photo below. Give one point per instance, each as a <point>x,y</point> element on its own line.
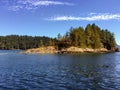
<point>53,50</point>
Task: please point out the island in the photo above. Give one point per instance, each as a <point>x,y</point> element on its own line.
<point>77,40</point>
<point>92,39</point>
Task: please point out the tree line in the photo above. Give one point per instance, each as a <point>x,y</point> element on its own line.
<point>23,42</point>
<point>90,37</point>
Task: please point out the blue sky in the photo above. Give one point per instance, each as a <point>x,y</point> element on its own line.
<point>50,17</point>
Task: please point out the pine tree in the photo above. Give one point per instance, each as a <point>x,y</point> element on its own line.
<point>88,34</point>
<point>96,42</point>
<point>112,42</point>
<point>41,43</point>
<point>59,37</point>
<point>81,37</point>
<point>50,42</point>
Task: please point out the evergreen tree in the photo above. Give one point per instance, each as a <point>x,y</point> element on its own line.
<point>81,37</point>
<point>112,42</point>
<point>74,37</point>
<point>88,34</point>
<point>96,42</point>
<point>41,43</point>
<point>51,42</point>
<point>59,37</point>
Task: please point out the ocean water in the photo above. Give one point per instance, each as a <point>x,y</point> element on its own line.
<point>59,71</point>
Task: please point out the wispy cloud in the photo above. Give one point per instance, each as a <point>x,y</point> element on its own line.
<point>15,8</point>
<point>43,2</point>
<point>46,3</point>
<point>33,4</point>
<point>94,17</point>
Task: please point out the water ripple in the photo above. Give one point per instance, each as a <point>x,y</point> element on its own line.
<point>59,72</point>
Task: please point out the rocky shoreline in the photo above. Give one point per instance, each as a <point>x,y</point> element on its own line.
<point>82,50</point>
<point>53,50</point>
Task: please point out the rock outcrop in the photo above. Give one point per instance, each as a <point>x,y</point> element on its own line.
<point>82,50</point>
<point>42,50</point>
<point>53,50</point>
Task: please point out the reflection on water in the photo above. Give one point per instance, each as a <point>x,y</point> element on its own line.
<point>59,72</point>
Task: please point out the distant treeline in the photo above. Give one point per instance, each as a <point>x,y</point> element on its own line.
<point>91,36</point>
<point>23,42</point>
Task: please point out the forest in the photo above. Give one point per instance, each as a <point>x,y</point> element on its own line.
<point>23,42</point>
<point>91,36</point>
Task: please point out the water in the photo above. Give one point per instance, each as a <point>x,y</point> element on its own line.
<point>59,72</point>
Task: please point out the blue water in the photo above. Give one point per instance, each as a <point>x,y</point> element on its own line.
<point>59,72</point>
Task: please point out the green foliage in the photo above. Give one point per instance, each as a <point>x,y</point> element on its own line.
<point>51,42</point>
<point>41,43</point>
<point>91,37</point>
<point>88,34</point>
<point>22,42</point>
<point>63,44</point>
<point>59,37</point>
<point>108,40</point>
<point>77,37</point>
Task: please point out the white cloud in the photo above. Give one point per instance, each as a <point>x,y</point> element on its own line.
<point>88,18</point>
<point>33,4</point>
<point>63,18</point>
<point>46,3</point>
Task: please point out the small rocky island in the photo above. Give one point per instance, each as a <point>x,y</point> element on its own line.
<point>77,40</point>
<point>91,39</point>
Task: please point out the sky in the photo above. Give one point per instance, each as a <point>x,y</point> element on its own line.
<point>50,17</point>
